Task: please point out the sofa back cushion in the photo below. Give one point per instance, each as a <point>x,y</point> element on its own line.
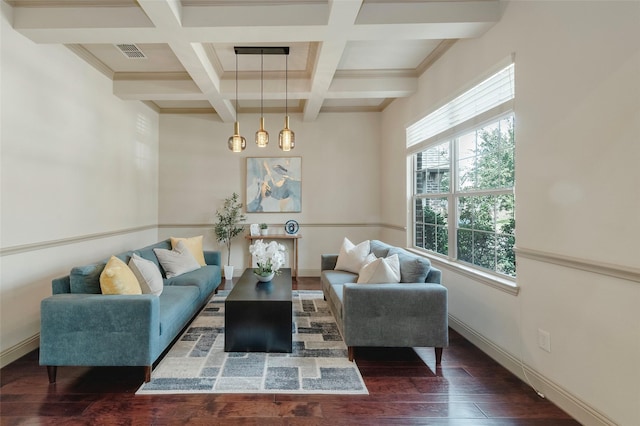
<point>413,269</point>
<point>86,279</point>
<point>379,248</point>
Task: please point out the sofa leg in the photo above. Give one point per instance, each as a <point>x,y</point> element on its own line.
<point>51,372</point>
<point>147,373</point>
<point>350,351</point>
<point>438,356</point>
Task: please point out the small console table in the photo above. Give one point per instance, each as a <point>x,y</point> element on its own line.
<point>292,237</point>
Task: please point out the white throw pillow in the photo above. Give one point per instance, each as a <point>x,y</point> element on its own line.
<point>148,275</point>
<point>177,261</point>
<point>352,257</point>
<point>383,270</point>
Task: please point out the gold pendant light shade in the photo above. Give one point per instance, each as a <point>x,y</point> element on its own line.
<point>236,142</point>
<point>287,138</point>
<point>262,136</point>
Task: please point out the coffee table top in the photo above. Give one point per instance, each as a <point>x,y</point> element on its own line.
<point>248,288</point>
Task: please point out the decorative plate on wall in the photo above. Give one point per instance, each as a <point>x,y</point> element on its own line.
<point>291,227</point>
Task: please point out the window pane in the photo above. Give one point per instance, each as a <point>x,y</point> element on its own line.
<point>486,157</point>
<point>432,170</point>
<point>485,234</point>
<point>431,232</point>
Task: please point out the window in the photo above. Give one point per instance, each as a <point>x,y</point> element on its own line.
<point>463,188</point>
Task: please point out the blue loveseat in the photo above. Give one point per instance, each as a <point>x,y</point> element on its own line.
<point>411,313</point>
<point>82,327</point>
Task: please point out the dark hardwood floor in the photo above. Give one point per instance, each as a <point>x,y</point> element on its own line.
<point>405,388</point>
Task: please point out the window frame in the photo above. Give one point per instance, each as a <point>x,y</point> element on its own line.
<point>454,194</point>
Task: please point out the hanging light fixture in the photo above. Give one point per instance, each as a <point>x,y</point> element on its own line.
<point>287,139</point>
<point>262,136</point>
<point>236,142</point>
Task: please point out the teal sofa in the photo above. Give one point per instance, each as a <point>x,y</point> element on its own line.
<point>411,313</point>
<point>79,326</point>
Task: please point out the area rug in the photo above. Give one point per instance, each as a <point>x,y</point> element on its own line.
<point>318,364</point>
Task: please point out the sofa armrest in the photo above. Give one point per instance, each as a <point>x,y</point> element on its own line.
<point>96,329</point>
<point>403,315</point>
<point>328,261</point>
<point>212,257</point>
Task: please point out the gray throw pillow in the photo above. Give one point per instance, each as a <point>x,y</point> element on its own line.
<point>148,275</point>
<point>413,269</point>
<point>177,261</point>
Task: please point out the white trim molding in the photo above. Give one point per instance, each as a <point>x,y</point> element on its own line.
<point>593,266</point>
<point>18,351</point>
<point>7,251</point>
<point>578,409</point>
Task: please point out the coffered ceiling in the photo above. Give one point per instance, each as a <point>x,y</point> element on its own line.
<point>345,55</point>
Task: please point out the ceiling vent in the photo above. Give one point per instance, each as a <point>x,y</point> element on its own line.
<point>131,51</point>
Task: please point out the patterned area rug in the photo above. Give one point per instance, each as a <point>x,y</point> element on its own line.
<point>197,363</point>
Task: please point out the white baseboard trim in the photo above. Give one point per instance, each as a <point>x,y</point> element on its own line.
<point>21,349</point>
<point>578,409</point>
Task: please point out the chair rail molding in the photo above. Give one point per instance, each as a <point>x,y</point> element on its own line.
<point>617,271</point>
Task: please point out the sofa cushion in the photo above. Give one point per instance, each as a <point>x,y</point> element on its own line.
<point>148,275</point>
<point>117,278</point>
<point>177,306</point>
<point>413,269</point>
<point>177,261</point>
<point>379,249</point>
<point>204,279</point>
<point>381,271</point>
<point>352,257</point>
<point>194,245</point>
<point>86,279</point>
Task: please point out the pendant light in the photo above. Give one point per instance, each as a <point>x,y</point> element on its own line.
<point>287,139</point>
<point>236,142</point>
<point>262,136</point>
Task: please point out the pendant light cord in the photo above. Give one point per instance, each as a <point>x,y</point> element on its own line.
<point>286,85</point>
<point>236,86</point>
<point>261,79</point>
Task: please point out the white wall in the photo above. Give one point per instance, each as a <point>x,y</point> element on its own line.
<point>79,176</point>
<point>577,124</point>
<point>340,179</point>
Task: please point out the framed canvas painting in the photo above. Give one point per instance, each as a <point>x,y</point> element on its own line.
<point>274,184</point>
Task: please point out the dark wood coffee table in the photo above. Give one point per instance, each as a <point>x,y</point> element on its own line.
<point>258,316</point>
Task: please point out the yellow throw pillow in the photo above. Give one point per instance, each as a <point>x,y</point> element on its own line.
<point>194,244</point>
<point>118,278</point>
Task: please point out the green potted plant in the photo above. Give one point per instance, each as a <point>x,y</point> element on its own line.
<point>263,228</point>
<point>228,226</point>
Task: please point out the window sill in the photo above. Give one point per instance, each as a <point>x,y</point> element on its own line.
<point>503,284</point>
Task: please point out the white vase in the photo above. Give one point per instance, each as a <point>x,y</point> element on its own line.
<point>228,272</point>
<point>265,278</point>
<point>263,232</point>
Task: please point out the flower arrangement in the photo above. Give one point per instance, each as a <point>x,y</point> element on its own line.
<point>269,257</point>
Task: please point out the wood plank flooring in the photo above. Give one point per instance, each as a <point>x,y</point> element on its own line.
<point>405,388</point>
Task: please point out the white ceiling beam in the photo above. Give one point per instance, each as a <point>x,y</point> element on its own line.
<point>342,15</point>
<point>25,18</point>
<point>161,89</point>
<point>163,13</point>
<point>429,12</point>
<point>166,15</point>
<point>256,15</point>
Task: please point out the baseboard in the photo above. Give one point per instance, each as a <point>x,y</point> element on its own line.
<point>578,409</point>
<point>18,351</point>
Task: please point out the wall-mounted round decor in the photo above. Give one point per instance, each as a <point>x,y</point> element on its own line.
<point>291,227</point>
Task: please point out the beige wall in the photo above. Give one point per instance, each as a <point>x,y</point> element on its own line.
<point>79,173</point>
<point>340,179</point>
<point>577,124</point>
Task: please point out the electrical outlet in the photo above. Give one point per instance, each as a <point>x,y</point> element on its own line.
<point>544,340</point>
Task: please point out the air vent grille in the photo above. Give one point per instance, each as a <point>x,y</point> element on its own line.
<point>131,51</point>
